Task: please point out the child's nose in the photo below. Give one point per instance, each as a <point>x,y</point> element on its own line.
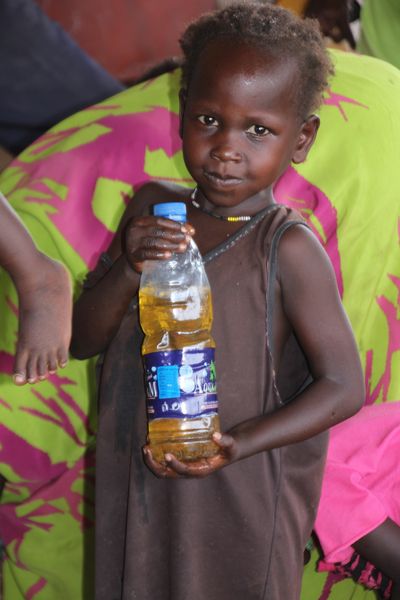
<point>225,149</point>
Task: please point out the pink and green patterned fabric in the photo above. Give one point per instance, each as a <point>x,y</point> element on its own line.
<point>70,188</point>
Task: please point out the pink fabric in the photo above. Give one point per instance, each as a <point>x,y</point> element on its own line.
<point>361,486</point>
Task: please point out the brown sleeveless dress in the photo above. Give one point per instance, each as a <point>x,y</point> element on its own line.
<point>238,534</point>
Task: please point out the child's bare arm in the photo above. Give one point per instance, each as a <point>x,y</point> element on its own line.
<point>312,306</point>
<point>99,310</point>
<point>45,301</point>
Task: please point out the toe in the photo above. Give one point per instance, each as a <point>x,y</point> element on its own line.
<point>42,368</point>
<point>19,378</point>
<point>62,358</point>
<point>32,369</point>
<point>19,370</point>
<point>52,363</point>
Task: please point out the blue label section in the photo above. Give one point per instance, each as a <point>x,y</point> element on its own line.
<point>168,385</point>
<point>180,383</point>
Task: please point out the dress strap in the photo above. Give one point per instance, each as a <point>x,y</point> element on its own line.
<point>272,269</point>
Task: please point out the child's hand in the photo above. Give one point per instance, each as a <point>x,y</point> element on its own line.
<point>173,469</point>
<point>153,238</point>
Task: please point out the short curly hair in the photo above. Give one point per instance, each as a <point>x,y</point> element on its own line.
<point>270,28</point>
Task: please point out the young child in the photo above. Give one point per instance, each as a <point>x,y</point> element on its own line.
<point>233,526</point>
<point>45,301</point>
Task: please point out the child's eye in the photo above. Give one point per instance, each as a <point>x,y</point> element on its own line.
<point>206,120</point>
<point>258,130</point>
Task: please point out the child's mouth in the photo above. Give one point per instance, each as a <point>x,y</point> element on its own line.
<point>222,181</point>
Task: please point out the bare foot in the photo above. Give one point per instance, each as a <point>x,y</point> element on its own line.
<point>45,314</point>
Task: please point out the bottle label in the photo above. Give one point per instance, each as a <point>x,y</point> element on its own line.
<point>180,383</point>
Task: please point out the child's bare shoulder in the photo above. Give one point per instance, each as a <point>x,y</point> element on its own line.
<point>301,257</point>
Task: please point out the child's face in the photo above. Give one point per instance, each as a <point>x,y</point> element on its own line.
<point>240,127</point>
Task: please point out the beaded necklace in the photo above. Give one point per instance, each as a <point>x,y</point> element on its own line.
<point>216,215</point>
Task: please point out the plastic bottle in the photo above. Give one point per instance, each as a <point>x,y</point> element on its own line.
<point>178,351</point>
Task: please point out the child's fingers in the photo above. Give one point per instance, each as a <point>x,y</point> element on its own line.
<point>160,226</point>
<point>189,229</point>
<point>185,228</point>
<point>159,243</point>
<point>171,229</point>
<point>151,227</point>
<point>153,248</point>
<point>223,440</point>
<point>151,238</point>
<point>229,446</point>
<point>179,467</point>
<point>160,470</point>
<point>198,468</point>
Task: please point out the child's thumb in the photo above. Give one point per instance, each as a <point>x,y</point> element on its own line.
<point>223,440</point>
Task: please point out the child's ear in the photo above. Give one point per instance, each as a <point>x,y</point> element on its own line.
<point>306,138</point>
<point>182,104</point>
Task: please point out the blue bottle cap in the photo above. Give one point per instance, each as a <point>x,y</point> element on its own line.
<point>176,211</point>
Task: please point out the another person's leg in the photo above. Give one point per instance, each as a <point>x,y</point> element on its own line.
<point>45,301</point>
<point>44,75</point>
<point>381,547</point>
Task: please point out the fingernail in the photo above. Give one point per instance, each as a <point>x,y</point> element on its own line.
<point>19,378</point>
<point>217,435</point>
<point>168,457</point>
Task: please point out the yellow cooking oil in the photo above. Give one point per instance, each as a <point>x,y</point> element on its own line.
<point>180,320</point>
